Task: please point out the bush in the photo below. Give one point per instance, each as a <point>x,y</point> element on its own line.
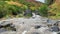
<point>2,9</point>
<point>7,9</point>
<point>4,0</point>
<point>15,9</point>
<point>43,10</point>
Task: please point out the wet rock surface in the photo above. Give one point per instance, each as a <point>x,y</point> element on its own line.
<point>26,26</point>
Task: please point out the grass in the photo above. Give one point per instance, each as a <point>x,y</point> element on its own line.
<point>55,8</point>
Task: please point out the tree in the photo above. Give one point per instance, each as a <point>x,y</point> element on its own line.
<point>49,2</point>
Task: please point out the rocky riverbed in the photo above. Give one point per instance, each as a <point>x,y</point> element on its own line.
<point>37,25</point>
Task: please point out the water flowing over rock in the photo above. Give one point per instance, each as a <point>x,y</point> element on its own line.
<point>32,25</point>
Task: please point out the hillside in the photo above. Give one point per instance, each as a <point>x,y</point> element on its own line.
<point>55,9</point>
<point>24,2</point>
<point>16,8</point>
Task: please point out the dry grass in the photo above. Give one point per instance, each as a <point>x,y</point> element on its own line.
<point>55,8</point>
<point>14,3</point>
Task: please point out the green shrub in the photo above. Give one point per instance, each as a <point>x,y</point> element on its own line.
<point>7,9</point>
<point>2,9</point>
<point>43,10</point>
<point>4,0</point>
<point>15,9</point>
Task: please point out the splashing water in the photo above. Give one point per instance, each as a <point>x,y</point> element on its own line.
<point>24,32</point>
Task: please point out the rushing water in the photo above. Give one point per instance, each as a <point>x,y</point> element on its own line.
<point>2,30</point>
<point>24,32</point>
<point>35,19</point>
